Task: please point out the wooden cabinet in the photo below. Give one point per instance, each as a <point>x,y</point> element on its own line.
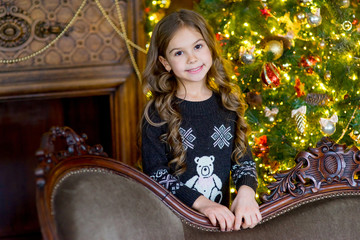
<point>84,80</point>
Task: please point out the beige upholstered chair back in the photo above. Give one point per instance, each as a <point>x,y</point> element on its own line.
<point>100,204</point>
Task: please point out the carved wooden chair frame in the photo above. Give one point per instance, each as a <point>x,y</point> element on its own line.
<point>327,171</point>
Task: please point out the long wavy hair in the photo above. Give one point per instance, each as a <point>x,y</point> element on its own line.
<point>163,85</point>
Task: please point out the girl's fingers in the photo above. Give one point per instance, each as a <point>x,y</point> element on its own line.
<point>254,221</point>
<point>258,215</point>
<point>247,221</point>
<point>230,222</point>
<point>226,221</point>
<point>212,219</point>
<point>238,222</point>
<point>222,223</point>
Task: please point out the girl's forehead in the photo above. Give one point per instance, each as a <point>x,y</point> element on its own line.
<point>185,36</point>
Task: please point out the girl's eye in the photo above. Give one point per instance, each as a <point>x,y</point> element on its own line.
<point>178,53</point>
<point>198,46</point>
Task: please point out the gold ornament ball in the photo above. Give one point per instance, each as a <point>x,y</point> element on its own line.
<point>164,3</point>
<point>355,136</point>
<point>304,2</point>
<point>344,3</point>
<point>327,75</point>
<point>276,47</point>
<point>322,44</point>
<point>329,128</point>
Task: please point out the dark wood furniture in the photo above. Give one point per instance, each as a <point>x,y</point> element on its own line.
<point>317,199</point>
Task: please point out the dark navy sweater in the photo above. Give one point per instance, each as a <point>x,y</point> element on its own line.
<point>208,133</point>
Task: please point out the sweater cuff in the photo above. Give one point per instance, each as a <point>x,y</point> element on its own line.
<point>248,181</point>
<point>187,196</point>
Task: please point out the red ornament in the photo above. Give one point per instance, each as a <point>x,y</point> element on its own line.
<point>221,39</point>
<point>299,88</point>
<point>355,21</point>
<point>147,10</point>
<point>265,12</point>
<point>261,147</point>
<point>261,141</point>
<point>270,75</point>
<point>308,63</point>
<point>236,71</point>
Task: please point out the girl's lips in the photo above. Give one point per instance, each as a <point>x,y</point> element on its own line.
<point>195,70</point>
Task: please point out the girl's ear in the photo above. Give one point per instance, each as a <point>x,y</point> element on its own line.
<point>165,63</point>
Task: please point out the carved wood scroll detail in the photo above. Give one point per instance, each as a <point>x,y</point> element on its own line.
<point>326,164</point>
<point>75,146</point>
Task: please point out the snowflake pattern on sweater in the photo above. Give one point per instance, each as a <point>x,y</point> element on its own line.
<point>187,138</point>
<point>221,136</point>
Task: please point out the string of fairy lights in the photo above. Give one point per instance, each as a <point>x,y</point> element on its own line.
<point>284,57</point>
<point>300,83</point>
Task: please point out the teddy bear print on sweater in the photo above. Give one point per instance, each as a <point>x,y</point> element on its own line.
<point>206,182</point>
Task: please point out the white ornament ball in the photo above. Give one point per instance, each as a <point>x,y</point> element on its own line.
<point>329,128</point>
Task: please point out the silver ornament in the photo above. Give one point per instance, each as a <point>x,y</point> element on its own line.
<point>304,2</point>
<point>344,3</point>
<point>248,58</point>
<point>300,16</point>
<point>314,19</point>
<point>329,128</point>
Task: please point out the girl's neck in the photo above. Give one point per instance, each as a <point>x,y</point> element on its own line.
<point>194,94</point>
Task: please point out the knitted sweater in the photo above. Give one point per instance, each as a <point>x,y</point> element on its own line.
<point>208,133</point>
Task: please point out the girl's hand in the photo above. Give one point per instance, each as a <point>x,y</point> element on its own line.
<point>216,213</point>
<point>245,208</point>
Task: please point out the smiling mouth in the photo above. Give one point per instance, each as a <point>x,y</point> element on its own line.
<point>195,70</point>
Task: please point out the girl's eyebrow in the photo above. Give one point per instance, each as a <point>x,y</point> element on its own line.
<point>174,49</point>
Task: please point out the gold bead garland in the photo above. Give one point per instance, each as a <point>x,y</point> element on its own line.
<point>7,61</point>
<point>347,126</point>
<point>122,34</point>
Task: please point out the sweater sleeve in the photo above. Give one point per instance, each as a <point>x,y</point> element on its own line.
<point>244,173</point>
<point>155,162</point>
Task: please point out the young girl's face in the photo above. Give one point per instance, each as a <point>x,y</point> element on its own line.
<point>188,56</point>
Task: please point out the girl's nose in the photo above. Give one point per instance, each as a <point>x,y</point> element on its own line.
<point>192,58</point>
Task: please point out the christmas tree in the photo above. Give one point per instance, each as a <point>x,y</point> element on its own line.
<point>297,63</point>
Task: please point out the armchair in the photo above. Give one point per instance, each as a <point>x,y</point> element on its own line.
<point>83,194</point>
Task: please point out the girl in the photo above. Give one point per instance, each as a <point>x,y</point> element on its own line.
<point>193,130</point>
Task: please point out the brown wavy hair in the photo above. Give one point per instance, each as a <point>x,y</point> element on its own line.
<point>163,85</point>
